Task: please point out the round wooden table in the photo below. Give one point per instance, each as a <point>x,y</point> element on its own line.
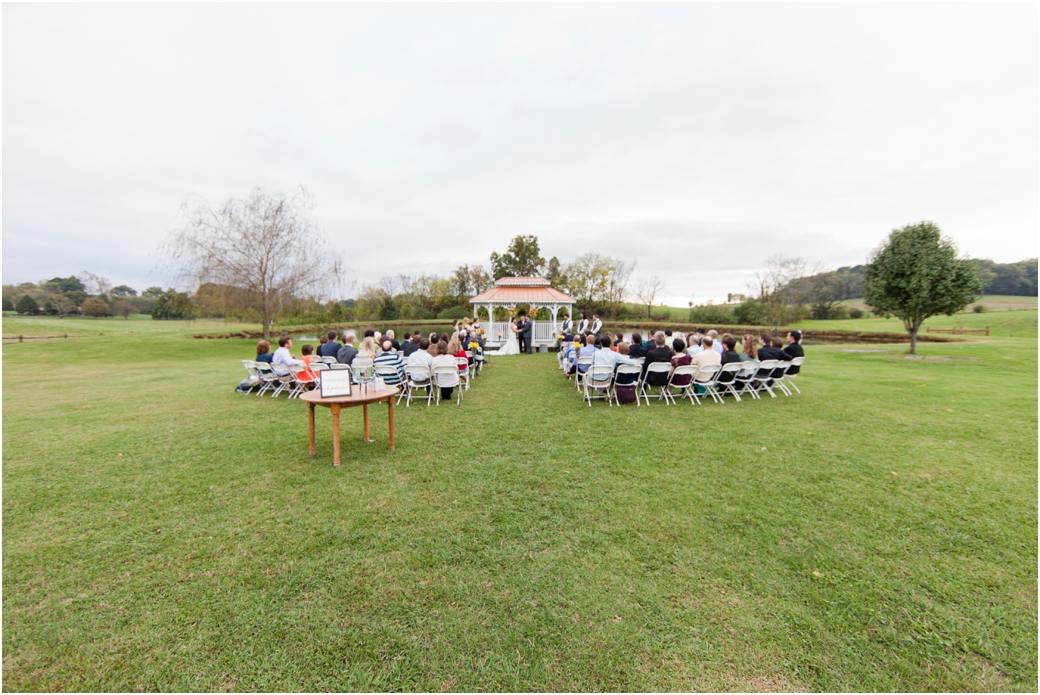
<point>360,397</point>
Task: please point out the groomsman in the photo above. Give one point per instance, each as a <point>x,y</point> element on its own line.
<point>583,324</point>
<point>566,326</point>
<point>597,326</point>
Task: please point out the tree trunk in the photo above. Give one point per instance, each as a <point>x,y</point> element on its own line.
<point>912,330</point>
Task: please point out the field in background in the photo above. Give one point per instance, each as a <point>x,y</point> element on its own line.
<point>161,532</point>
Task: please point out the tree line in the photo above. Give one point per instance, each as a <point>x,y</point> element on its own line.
<point>88,294</point>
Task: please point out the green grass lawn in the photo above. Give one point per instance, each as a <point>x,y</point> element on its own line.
<point>161,532</point>
<point>1014,323</point>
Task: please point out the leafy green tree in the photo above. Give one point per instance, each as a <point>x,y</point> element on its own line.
<point>69,284</point>
<point>173,305</point>
<point>124,291</point>
<point>388,311</point>
<point>522,259</point>
<point>916,274</point>
<point>93,306</point>
<point>8,305</point>
<point>59,304</point>
<point>554,273</point>
<point>460,283</point>
<point>26,305</point>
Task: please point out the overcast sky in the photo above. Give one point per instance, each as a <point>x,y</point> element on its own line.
<point>694,139</point>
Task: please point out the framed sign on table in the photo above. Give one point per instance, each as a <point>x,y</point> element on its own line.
<point>334,383</point>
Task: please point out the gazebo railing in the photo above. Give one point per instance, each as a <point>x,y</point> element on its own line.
<point>542,333</point>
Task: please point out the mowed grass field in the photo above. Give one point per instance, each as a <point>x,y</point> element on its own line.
<point>161,532</point>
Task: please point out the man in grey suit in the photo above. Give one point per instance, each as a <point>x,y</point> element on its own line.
<point>346,354</point>
<point>527,332</point>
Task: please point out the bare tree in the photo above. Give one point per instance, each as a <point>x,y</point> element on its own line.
<point>265,244</point>
<point>647,290</point>
<point>390,284</point>
<point>776,286</point>
<point>95,284</point>
<point>617,280</point>
<point>479,279</point>
<point>60,305</point>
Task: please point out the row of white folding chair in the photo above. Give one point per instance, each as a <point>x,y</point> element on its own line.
<point>419,377</point>
<point>717,380</point>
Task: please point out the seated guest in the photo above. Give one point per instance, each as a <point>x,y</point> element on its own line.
<point>696,345</point>
<point>588,350</point>
<point>282,357</point>
<point>570,356</point>
<point>708,354</point>
<point>768,352</point>
<point>660,352</point>
<point>794,348</point>
<point>606,356</point>
<point>408,347</point>
<point>444,359</point>
<point>715,344</point>
<point>681,359</point>
<point>368,347</point>
<point>637,349</point>
<point>369,333</point>
<point>434,339</point>
<point>748,350</point>
<point>730,353</point>
<point>262,352</point>
<point>345,355</point>
<point>393,343</point>
<point>456,350</point>
<point>331,347</point>
<point>619,338</point>
<point>421,356</point>
<point>623,348</point>
<point>321,342</point>
<point>390,358</point>
<point>307,356</point>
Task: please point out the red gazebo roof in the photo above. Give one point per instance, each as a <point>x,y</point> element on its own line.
<point>523,289</point>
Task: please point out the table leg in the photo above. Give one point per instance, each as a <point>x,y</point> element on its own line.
<point>310,425</point>
<point>390,404</point>
<point>335,434</point>
<point>365,409</point>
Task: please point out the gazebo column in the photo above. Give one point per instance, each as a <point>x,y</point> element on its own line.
<point>555,308</point>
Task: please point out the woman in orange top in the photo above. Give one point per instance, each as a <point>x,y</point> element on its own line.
<point>307,376</point>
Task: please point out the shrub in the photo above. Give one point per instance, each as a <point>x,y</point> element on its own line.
<point>722,316</point>
<point>26,305</point>
<point>822,311</point>
<point>452,313</point>
<point>748,313</point>
<point>978,308</point>
<point>93,306</point>
<point>856,314</point>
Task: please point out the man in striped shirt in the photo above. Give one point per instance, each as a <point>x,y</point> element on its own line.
<point>390,358</point>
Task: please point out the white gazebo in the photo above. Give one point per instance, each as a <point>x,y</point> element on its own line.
<point>536,292</point>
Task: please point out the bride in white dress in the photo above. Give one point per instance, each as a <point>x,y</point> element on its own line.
<point>512,347</point>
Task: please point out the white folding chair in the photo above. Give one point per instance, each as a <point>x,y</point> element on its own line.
<point>599,379</point>
<point>417,378</point>
<point>284,381</point>
<point>253,378</point>
<point>268,378</point>
<point>764,375</point>
<point>796,363</point>
<point>745,379</point>
<point>684,390</point>
<point>328,359</point>
<point>335,366</point>
<point>654,368</point>
<point>319,367</point>
<point>297,385</point>
<point>707,377</point>
<point>778,376</point>
<point>464,367</point>
<point>578,374</point>
<point>629,373</point>
<point>445,376</point>
<point>388,374</point>
<point>727,379</point>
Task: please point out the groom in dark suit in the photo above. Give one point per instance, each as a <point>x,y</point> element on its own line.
<point>526,331</point>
